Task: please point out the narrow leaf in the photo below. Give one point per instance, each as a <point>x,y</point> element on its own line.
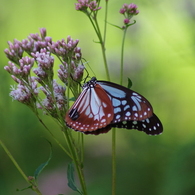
<point>70,177</point>
<point>129,83</point>
<point>115,25</point>
<point>43,165</point>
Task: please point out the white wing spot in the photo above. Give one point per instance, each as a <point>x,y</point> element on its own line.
<point>136,114</point>
<point>87,112</point>
<point>147,120</point>
<point>128,114</point>
<point>104,105</point>
<point>134,108</point>
<point>154,128</point>
<point>136,101</point>
<point>109,115</point>
<point>144,126</point>
<point>124,102</point>
<point>116,102</point>
<point>117,109</point>
<point>103,120</point>
<point>90,116</point>
<point>134,122</point>
<point>126,107</point>
<point>118,116</point>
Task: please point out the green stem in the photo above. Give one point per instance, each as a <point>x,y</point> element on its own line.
<point>94,22</point>
<point>59,144</point>
<point>76,160</point>
<point>34,187</point>
<point>113,161</point>
<point>103,49</point>
<point>105,23</point>
<point>122,56</point>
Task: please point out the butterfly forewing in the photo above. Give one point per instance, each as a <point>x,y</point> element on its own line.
<point>91,111</point>
<point>151,126</point>
<point>127,104</point>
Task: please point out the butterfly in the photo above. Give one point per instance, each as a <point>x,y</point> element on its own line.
<point>103,105</point>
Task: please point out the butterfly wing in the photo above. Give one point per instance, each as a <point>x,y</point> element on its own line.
<point>151,126</point>
<point>91,111</point>
<point>127,104</point>
<point>103,105</point>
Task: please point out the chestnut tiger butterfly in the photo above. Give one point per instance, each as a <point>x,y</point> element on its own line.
<point>103,105</point>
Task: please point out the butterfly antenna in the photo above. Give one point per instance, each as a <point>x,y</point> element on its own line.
<point>86,62</point>
<point>75,80</point>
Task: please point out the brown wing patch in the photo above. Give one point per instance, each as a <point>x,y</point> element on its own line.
<point>91,111</point>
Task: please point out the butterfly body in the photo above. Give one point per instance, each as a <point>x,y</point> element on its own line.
<point>103,105</point>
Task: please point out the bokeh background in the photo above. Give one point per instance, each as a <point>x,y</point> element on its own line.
<point>159,59</point>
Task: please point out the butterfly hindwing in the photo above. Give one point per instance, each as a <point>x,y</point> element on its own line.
<point>127,104</point>
<point>151,126</point>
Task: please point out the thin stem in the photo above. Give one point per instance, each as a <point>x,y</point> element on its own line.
<point>122,56</point>
<point>81,140</point>
<point>94,22</point>
<point>59,144</point>
<point>113,161</point>
<point>102,48</point>
<point>76,161</point>
<point>105,23</point>
<point>33,186</point>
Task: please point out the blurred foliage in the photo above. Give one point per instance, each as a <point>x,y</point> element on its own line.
<point>159,59</point>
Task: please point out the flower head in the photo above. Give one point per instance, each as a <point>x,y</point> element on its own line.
<point>84,5</point>
<point>15,51</point>
<point>24,94</point>
<point>53,101</point>
<point>24,68</point>
<point>128,11</point>
<point>45,64</point>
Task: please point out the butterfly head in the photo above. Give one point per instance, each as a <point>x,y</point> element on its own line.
<point>91,83</point>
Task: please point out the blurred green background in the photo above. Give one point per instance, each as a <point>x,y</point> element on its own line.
<point>159,59</point>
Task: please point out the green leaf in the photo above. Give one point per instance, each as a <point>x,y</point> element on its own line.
<point>129,83</point>
<point>70,177</point>
<point>115,25</point>
<point>72,99</point>
<point>43,165</point>
<point>29,187</point>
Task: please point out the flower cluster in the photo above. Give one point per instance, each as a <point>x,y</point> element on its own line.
<point>128,11</point>
<point>40,53</point>
<point>53,100</point>
<point>83,5</point>
<point>70,55</point>
<point>25,94</point>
